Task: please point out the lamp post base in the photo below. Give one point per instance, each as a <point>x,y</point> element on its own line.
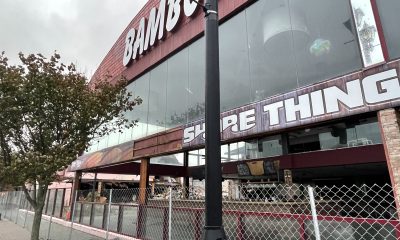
<point>214,233</point>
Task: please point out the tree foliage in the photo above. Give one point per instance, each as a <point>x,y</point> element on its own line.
<point>49,115</point>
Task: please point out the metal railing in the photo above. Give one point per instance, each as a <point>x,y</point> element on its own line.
<point>250,211</point>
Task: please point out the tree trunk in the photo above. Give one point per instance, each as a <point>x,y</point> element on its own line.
<point>37,219</point>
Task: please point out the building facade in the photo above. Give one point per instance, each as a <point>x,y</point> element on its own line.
<point>310,92</point>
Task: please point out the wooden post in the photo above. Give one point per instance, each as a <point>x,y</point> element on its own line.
<point>142,199</point>
<point>144,180</point>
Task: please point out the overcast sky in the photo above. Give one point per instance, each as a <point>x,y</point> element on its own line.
<point>82,31</point>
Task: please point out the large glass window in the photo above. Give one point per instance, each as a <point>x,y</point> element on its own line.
<point>299,42</point>
<point>234,64</point>
<point>264,147</point>
<point>324,39</point>
<point>197,157</point>
<point>173,159</point>
<point>390,18</point>
<point>343,134</point>
<point>158,98</point>
<point>269,48</point>
<point>140,88</point>
<point>272,62</point>
<point>177,88</point>
<point>196,85</point>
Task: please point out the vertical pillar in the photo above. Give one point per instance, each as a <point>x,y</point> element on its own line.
<point>186,177</point>
<point>142,198</point>
<point>144,180</point>
<point>389,121</point>
<point>76,184</point>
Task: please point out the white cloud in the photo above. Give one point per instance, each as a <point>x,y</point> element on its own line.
<point>82,31</point>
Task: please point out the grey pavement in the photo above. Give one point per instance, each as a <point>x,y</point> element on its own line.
<point>12,231</point>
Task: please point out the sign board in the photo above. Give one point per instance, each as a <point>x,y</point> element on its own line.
<point>345,96</point>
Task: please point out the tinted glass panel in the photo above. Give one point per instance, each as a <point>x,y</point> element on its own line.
<point>325,43</point>
<point>390,18</point>
<point>196,86</point>
<point>177,89</point>
<point>272,66</point>
<point>234,66</point>
<point>173,159</point>
<point>157,98</point>
<point>140,112</point>
<point>338,135</point>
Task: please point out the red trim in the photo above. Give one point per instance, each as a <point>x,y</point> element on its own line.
<point>379,27</point>
<point>302,229</point>
<point>197,222</point>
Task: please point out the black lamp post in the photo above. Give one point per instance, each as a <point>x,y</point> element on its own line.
<point>213,229</point>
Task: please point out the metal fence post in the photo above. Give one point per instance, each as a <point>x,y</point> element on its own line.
<point>73,215</point>
<point>18,203</point>
<point>314,212</point>
<point>170,214</point>
<point>6,205</point>
<point>108,214</point>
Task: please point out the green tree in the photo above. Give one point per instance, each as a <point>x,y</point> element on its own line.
<point>49,115</point>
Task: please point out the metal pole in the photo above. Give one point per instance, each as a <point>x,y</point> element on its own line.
<point>213,228</point>
<point>6,206</point>
<point>48,231</point>
<point>26,215</point>
<point>26,206</point>
<point>108,214</point>
<point>52,213</point>
<point>314,213</point>
<point>170,214</point>
<point>73,214</point>
<point>18,203</point>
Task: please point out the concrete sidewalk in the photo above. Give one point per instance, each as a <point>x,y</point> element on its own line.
<point>12,231</point>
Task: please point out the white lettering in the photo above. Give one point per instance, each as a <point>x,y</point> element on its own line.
<point>189,7</point>
<point>174,12</point>
<point>200,129</point>
<point>129,40</point>
<point>317,103</point>
<point>138,47</point>
<point>390,88</point>
<point>303,107</point>
<point>352,99</point>
<point>154,25</point>
<point>247,119</point>
<point>188,134</point>
<point>230,121</point>
<point>273,110</point>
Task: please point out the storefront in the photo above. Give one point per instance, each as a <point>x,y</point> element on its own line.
<point>310,92</point>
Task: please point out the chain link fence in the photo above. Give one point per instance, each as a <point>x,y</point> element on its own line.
<point>250,211</point>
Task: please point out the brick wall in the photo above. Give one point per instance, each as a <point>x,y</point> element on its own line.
<point>389,120</point>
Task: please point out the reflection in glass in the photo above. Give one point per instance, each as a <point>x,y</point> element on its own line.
<point>140,88</point>
<point>173,159</point>
<point>157,98</point>
<point>196,158</point>
<point>177,89</point>
<point>265,147</point>
<point>329,48</point>
<point>234,66</point>
<point>339,135</point>
<point>196,85</point>
<point>367,32</point>
<point>271,59</point>
<point>390,18</point>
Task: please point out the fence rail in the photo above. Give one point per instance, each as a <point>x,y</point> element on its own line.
<point>250,211</point>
